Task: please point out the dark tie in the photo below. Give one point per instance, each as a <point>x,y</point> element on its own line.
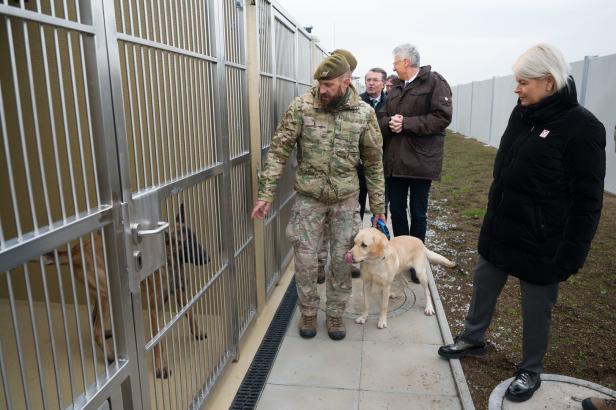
<point>374,103</point>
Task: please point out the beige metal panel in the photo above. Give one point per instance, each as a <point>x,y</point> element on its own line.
<point>54,350</point>
<point>46,122</point>
<point>238,140</point>
<point>69,11</point>
<point>264,31</point>
<point>233,31</point>
<point>168,106</point>
<point>284,41</point>
<point>254,52</point>
<point>265,111</point>
<point>184,25</point>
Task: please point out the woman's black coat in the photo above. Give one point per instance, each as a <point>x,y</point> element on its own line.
<point>545,201</point>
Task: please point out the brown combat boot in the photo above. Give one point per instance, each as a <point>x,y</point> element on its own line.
<point>308,326</point>
<point>335,328</point>
<point>596,403</point>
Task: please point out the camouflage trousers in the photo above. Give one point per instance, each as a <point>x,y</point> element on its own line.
<point>310,221</point>
<point>324,248</point>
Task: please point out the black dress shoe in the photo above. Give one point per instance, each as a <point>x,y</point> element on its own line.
<point>523,386</point>
<point>461,348</point>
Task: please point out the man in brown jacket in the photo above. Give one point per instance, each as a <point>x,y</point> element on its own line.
<point>413,122</point>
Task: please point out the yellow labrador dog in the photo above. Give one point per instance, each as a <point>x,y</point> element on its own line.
<point>382,260</point>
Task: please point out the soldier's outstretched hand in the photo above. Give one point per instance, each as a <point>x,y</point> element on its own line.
<point>260,210</point>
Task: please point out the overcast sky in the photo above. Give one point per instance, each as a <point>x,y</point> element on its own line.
<point>464,40</point>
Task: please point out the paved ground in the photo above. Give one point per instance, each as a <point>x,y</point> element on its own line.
<point>392,368</point>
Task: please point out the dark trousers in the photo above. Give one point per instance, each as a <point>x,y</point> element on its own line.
<point>363,190</point>
<point>537,304</point>
<point>398,195</point>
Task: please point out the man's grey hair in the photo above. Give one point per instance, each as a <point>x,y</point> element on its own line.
<point>408,51</point>
<point>380,71</point>
<point>541,60</point>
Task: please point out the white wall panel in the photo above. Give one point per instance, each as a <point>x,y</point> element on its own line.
<point>504,101</point>
<point>465,98</point>
<point>601,101</point>
<point>481,110</point>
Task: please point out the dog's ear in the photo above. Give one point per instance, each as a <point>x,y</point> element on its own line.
<point>180,217</point>
<point>378,245</point>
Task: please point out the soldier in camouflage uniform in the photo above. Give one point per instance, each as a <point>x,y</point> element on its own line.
<point>324,250</point>
<point>333,130</point>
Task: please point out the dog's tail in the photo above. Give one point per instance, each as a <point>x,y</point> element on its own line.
<point>434,257</point>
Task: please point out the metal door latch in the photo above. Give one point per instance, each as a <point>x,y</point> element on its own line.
<point>139,233</point>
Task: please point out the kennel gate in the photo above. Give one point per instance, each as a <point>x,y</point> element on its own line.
<point>126,172</point>
<point>285,70</point>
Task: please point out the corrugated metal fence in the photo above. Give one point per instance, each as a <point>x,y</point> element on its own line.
<point>482,108</point>
<point>131,134</point>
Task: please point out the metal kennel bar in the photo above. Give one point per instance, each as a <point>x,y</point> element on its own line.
<point>178,73</point>
<point>59,226</point>
<point>127,252</point>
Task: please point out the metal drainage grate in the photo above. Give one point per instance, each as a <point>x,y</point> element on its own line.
<point>250,390</point>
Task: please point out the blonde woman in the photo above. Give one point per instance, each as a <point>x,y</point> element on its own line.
<point>543,210</point>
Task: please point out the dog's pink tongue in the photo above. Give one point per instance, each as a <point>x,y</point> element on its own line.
<point>348,257</point>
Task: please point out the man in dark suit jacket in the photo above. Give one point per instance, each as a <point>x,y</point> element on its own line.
<point>375,83</point>
<point>375,97</point>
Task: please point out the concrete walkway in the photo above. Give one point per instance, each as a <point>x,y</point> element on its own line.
<point>392,368</point>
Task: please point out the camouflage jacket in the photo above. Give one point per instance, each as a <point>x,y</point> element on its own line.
<point>330,145</point>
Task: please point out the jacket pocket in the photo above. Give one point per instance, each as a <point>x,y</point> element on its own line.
<point>426,146</point>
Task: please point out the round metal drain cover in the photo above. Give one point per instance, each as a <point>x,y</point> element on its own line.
<point>402,300</point>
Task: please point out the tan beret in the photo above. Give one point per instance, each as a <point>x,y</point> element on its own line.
<point>331,67</point>
<point>350,58</point>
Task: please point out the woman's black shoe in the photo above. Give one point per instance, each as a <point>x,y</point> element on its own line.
<point>461,348</point>
<point>523,386</point>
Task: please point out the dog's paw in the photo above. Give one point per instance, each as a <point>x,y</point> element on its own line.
<point>429,311</point>
<point>163,373</point>
<point>361,320</point>
<point>382,323</point>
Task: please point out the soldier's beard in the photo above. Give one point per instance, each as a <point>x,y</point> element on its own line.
<point>330,102</point>
<point>333,102</point>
